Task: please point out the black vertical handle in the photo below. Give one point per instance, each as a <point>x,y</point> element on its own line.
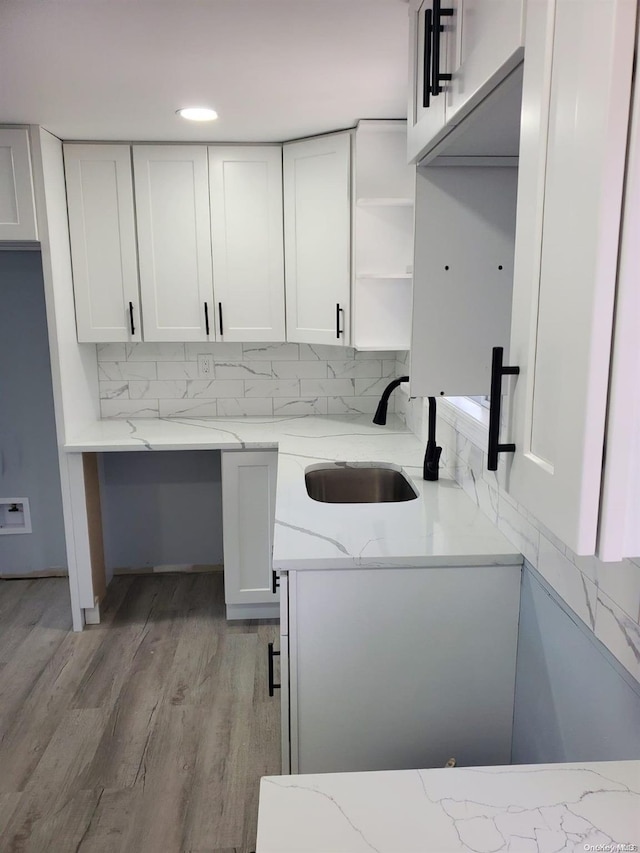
<point>497,372</point>
<point>220,319</point>
<point>272,685</point>
<point>436,76</point>
<point>275,581</point>
<point>133,328</point>
<point>339,331</point>
<point>426,57</point>
<point>206,318</point>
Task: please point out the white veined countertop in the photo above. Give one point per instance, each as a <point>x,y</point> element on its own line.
<point>542,808</point>
<point>442,527</point>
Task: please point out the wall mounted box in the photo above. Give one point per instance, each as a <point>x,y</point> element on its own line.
<point>15,516</point>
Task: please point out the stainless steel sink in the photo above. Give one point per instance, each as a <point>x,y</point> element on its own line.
<point>358,485</point>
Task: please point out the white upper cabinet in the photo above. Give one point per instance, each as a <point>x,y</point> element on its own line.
<point>577,80</point>
<point>484,42</point>
<point>174,242</point>
<point>425,113</point>
<point>17,206</point>
<point>246,223</point>
<point>103,242</point>
<point>317,224</point>
<point>460,50</point>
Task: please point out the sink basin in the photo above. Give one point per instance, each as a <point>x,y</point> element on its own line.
<point>358,485</point>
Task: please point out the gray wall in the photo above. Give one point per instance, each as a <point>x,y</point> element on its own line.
<point>28,446</point>
<point>161,508</point>
<point>574,701</point>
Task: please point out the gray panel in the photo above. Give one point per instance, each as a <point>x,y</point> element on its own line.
<point>573,702</point>
<point>28,445</point>
<point>161,508</point>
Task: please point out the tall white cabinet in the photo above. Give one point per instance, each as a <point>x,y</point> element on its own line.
<point>569,206</point>
<point>246,228</point>
<point>103,242</point>
<point>248,509</point>
<point>317,226</point>
<point>174,242</point>
<point>17,205</point>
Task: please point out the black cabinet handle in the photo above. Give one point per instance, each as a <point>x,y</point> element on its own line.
<point>133,328</point>
<point>272,685</point>
<point>426,57</point>
<point>206,318</point>
<point>497,372</point>
<point>220,319</point>
<point>339,310</point>
<point>436,76</point>
<point>275,581</point>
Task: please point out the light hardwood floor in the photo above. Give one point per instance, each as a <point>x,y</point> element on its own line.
<point>149,732</point>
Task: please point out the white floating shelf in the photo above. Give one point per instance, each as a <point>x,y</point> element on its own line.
<point>384,202</point>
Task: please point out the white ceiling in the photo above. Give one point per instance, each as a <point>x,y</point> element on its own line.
<point>273,69</point>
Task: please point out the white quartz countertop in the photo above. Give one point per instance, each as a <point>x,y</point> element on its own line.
<point>545,808</point>
<point>442,527</point>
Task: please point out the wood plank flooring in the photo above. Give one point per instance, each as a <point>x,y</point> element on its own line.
<point>147,733</point>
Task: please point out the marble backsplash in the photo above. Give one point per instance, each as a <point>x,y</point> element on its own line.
<point>605,596</point>
<point>150,380</point>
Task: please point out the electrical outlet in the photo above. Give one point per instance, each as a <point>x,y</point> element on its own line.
<point>205,366</point>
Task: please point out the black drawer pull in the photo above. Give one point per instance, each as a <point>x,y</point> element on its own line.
<point>339,310</point>
<point>497,372</point>
<point>206,318</point>
<point>275,581</point>
<point>272,685</point>
<point>426,57</point>
<point>133,328</point>
<point>220,319</point>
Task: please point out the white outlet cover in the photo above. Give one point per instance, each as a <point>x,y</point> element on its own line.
<point>22,523</point>
<point>205,366</point>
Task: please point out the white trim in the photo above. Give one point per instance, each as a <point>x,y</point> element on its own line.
<point>467,417</point>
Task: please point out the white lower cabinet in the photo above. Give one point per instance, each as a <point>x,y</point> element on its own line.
<point>398,668</point>
<point>248,509</point>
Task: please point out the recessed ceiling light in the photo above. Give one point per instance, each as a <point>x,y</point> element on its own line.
<point>198,113</point>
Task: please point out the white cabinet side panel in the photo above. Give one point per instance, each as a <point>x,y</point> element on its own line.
<point>463,276</point>
<point>174,241</point>
<point>317,222</point>
<point>103,241</point>
<point>404,668</point>
<point>248,254</point>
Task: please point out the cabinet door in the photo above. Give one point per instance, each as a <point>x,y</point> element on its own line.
<point>425,112</point>
<point>103,242</point>
<point>569,202</point>
<point>484,42</point>
<point>248,508</point>
<point>174,242</point>
<point>246,223</point>
<point>317,225</point>
<point>17,206</point>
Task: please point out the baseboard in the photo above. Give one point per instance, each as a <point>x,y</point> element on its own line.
<point>182,568</point>
<point>32,576</point>
<point>253,611</point>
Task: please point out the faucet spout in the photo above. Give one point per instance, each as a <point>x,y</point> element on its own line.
<point>380,417</point>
